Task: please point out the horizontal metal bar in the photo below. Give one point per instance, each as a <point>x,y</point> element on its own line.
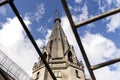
<point>105,63</point>
<point>78,38</point>
<point>31,39</point>
<point>98,17</point>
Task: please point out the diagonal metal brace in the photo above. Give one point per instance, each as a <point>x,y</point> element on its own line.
<point>31,39</point>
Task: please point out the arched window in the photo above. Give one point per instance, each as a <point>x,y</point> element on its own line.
<point>58,74</point>
<point>77,74</point>
<point>45,55</point>
<point>37,76</point>
<point>70,56</point>
<point>51,42</point>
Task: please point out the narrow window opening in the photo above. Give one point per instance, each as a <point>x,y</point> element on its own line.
<point>58,74</point>
<point>45,55</point>
<point>77,74</point>
<point>37,76</point>
<point>70,56</point>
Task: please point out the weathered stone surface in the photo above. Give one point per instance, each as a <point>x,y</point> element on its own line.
<point>61,58</point>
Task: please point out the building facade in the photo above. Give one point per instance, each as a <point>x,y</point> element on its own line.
<point>60,56</point>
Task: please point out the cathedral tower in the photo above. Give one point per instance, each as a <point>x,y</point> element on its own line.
<point>60,56</point>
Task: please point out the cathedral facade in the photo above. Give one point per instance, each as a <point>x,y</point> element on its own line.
<point>60,56</point>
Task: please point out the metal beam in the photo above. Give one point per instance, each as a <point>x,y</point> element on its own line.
<point>105,63</point>
<point>31,39</point>
<point>68,12</point>
<point>78,39</point>
<point>98,17</point>
<point>4,2</point>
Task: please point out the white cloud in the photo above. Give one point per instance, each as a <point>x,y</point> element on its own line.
<point>118,2</point>
<point>82,16</point>
<point>37,14</point>
<point>106,74</point>
<point>42,29</point>
<point>48,35</point>
<point>42,42</point>
<point>102,6</point>
<point>107,4</point>
<point>50,19</point>
<point>77,8</point>
<point>14,43</point>
<point>40,12</point>
<point>98,49</point>
<point>114,23</point>
<point>91,25</point>
<point>70,7</point>
<point>78,1</point>
<point>3,10</point>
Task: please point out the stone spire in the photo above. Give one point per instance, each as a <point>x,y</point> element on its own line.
<point>60,56</point>
<point>57,44</point>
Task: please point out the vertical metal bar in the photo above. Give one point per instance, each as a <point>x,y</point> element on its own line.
<point>32,39</point>
<point>78,39</point>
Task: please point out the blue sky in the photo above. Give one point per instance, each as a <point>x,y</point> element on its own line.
<point>100,38</point>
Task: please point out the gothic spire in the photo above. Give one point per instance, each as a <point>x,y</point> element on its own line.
<point>57,44</point>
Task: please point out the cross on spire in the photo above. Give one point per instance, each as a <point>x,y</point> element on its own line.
<point>57,18</point>
<point>57,14</point>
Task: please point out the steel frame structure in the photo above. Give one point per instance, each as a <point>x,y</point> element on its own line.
<point>74,27</point>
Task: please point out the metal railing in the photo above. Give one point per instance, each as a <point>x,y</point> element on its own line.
<point>12,69</point>
<point>74,28</point>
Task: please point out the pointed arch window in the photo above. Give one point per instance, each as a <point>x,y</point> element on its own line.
<point>51,42</point>
<point>37,76</point>
<point>45,55</point>
<point>70,56</point>
<point>58,74</point>
<point>77,74</point>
